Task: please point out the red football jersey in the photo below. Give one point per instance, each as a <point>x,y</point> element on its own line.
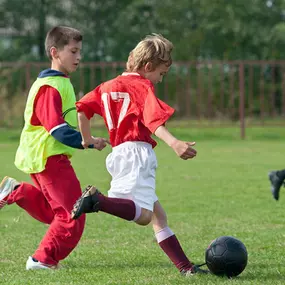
<point>129,107</point>
<point>47,110</point>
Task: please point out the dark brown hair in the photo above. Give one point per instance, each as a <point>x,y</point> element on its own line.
<point>59,37</point>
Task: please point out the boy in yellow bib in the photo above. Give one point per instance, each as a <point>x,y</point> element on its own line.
<point>47,142</point>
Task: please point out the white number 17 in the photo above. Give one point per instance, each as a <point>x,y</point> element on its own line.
<point>115,96</point>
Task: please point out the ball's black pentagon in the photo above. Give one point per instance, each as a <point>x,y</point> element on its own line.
<point>218,249</point>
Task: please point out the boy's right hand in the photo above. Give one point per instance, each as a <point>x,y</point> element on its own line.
<point>184,149</point>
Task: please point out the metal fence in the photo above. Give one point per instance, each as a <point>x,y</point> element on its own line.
<point>207,93</point>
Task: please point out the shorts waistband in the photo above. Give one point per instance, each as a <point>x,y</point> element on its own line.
<point>133,144</point>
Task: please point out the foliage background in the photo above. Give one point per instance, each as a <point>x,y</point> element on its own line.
<point>200,29</point>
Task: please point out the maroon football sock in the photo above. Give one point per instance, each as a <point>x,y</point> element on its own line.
<point>122,208</point>
<point>172,248</point>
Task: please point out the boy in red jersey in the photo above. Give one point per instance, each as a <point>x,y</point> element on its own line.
<point>133,113</point>
<point>47,142</point>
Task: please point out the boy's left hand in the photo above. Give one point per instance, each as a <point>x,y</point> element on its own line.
<point>98,143</point>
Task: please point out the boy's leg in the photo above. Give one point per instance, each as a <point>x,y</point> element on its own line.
<point>61,188</point>
<point>32,200</point>
<point>169,243</point>
<point>93,201</point>
<point>119,207</point>
<point>167,239</point>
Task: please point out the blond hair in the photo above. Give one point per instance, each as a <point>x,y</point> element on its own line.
<point>153,48</point>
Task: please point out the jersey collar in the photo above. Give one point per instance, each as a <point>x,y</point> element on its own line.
<point>50,72</point>
<point>130,73</point>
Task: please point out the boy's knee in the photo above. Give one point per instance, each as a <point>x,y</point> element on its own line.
<point>143,222</point>
<point>145,218</point>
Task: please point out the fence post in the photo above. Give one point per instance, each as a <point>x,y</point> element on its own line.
<point>241,100</point>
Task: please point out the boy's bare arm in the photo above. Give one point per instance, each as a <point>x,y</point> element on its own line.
<point>84,127</point>
<point>183,149</point>
<point>87,138</point>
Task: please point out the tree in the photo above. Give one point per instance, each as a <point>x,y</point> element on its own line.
<point>200,29</point>
<point>25,27</point>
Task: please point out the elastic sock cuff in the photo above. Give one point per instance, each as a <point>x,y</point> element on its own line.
<point>138,212</point>
<point>163,234</point>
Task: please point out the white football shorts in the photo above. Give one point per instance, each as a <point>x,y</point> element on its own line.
<point>132,166</point>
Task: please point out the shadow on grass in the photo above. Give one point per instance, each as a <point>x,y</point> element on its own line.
<point>116,265</point>
<point>257,272</point>
<point>254,272</point>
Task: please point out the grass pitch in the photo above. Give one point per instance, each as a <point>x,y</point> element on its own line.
<point>223,191</point>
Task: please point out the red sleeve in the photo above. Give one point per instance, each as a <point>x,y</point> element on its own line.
<point>47,108</point>
<point>155,111</point>
<point>90,103</point>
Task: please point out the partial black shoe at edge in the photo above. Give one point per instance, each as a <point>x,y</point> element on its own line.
<point>87,203</point>
<point>276,183</point>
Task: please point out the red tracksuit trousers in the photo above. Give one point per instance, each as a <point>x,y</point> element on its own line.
<point>50,201</point>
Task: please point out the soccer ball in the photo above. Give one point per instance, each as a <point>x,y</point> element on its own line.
<point>226,256</point>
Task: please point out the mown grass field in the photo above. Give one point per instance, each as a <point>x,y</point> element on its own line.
<point>223,191</point>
